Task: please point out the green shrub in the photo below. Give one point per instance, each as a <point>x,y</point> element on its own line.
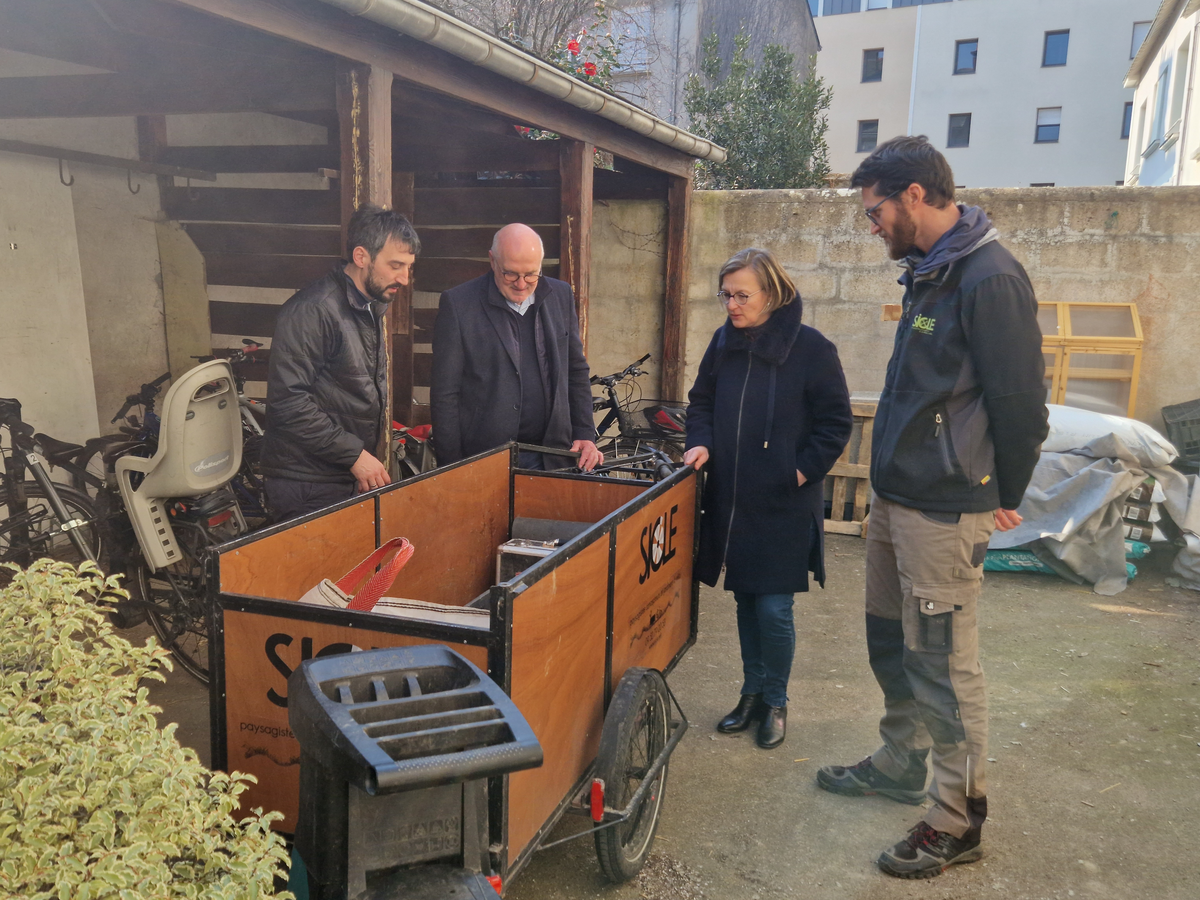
<point>95,800</point>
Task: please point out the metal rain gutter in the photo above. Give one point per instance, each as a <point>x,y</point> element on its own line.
<point>1164,19</point>
<point>445,32</point>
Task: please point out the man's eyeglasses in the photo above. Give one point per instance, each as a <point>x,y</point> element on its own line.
<point>514,277</point>
<point>872,213</point>
<point>741,298</point>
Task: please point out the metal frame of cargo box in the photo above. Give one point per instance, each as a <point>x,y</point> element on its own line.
<point>497,639</point>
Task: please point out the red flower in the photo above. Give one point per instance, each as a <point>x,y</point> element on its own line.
<point>589,68</point>
<point>573,46</point>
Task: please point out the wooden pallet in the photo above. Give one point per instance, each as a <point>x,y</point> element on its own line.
<point>850,476</point>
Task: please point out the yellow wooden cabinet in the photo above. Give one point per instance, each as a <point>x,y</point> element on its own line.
<point>1093,355</point>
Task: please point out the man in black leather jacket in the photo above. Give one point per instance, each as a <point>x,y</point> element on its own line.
<point>327,384</point>
<point>956,438</point>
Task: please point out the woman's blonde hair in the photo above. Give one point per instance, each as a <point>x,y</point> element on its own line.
<point>779,287</point>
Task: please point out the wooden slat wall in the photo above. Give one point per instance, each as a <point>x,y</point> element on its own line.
<point>487,206</point>
<point>281,207</point>
<point>473,175</point>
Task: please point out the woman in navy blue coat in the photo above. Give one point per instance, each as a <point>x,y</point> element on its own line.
<point>770,414</point>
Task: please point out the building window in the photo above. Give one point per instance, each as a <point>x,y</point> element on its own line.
<point>872,65</point>
<point>1159,128</point>
<point>964,56</point>
<point>1180,86</point>
<point>838,7</point>
<point>1048,121</point>
<point>1054,50</point>
<point>868,135</point>
<point>1140,29</point>
<point>877,4</point>
<point>1126,120</point>
<point>960,130</point>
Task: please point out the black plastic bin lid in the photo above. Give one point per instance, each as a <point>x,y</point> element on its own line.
<point>403,718</point>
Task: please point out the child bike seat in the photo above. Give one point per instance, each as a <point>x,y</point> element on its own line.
<point>199,451</point>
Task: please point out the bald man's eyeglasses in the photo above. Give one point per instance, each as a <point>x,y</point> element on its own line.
<point>514,277</point>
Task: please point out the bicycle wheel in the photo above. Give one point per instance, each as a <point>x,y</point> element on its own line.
<point>628,457</point>
<point>46,537</point>
<point>635,732</point>
<point>92,470</point>
<point>177,596</point>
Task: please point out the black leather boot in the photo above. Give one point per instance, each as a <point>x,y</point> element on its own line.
<point>773,728</point>
<point>748,709</point>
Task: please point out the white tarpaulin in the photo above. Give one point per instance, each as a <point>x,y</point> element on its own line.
<point>1072,507</point>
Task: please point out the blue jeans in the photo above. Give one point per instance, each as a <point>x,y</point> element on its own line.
<point>527,459</point>
<point>767,633</point>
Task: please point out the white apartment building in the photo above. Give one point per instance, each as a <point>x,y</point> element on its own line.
<point>1016,93</point>
<point>1165,144</point>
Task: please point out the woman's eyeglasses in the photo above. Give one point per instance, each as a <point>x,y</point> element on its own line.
<point>741,298</point>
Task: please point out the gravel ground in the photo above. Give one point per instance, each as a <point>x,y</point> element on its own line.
<point>1095,749</point>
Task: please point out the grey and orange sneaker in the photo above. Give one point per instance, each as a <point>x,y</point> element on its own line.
<point>864,780</point>
<point>927,852</point>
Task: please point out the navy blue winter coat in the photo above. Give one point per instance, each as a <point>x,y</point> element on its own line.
<point>767,401</point>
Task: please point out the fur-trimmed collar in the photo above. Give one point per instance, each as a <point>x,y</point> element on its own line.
<point>771,341</point>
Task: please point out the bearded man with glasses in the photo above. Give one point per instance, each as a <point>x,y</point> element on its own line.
<point>957,434</point>
<point>508,363</point>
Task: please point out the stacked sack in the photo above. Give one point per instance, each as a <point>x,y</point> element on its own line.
<point>1142,514</point>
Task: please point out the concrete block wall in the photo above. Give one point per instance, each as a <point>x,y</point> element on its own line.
<point>625,309</point>
<point>1078,244</point>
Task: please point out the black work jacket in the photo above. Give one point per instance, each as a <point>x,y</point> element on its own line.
<point>766,403</point>
<point>326,384</point>
<point>476,384</point>
<point>963,411</point>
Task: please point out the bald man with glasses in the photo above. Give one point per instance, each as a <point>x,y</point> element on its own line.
<point>508,363</point>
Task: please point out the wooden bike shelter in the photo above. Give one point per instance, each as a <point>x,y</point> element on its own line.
<point>558,638</point>
<point>409,126</point>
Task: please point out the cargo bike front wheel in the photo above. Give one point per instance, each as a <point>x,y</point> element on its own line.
<point>634,744</point>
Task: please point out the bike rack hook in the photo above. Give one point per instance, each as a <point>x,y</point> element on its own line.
<point>60,175</point>
<point>129,182</point>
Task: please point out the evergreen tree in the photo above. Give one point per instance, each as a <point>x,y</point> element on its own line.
<point>771,122</point>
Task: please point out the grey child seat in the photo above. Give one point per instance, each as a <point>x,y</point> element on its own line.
<point>199,451</point>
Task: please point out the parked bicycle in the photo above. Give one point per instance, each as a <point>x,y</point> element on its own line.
<point>39,518</point>
<point>412,451</point>
<point>632,425</point>
<point>166,500</point>
<point>647,464</point>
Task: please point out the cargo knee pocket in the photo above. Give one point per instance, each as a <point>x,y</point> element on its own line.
<point>929,625</point>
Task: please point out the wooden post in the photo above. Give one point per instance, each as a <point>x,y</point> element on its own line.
<point>400,316</point>
<point>575,256</point>
<point>152,138</point>
<point>364,107</point>
<point>679,202</point>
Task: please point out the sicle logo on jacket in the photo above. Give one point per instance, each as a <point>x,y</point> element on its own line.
<point>924,324</point>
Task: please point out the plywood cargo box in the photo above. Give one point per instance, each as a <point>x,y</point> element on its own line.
<point>558,638</point>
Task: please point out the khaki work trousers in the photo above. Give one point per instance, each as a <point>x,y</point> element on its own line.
<point>924,573</point>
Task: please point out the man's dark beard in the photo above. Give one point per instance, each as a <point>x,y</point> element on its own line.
<point>376,290</point>
<point>904,233</point>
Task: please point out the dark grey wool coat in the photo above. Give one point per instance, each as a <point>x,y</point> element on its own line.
<point>476,389</point>
<point>767,401</point>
